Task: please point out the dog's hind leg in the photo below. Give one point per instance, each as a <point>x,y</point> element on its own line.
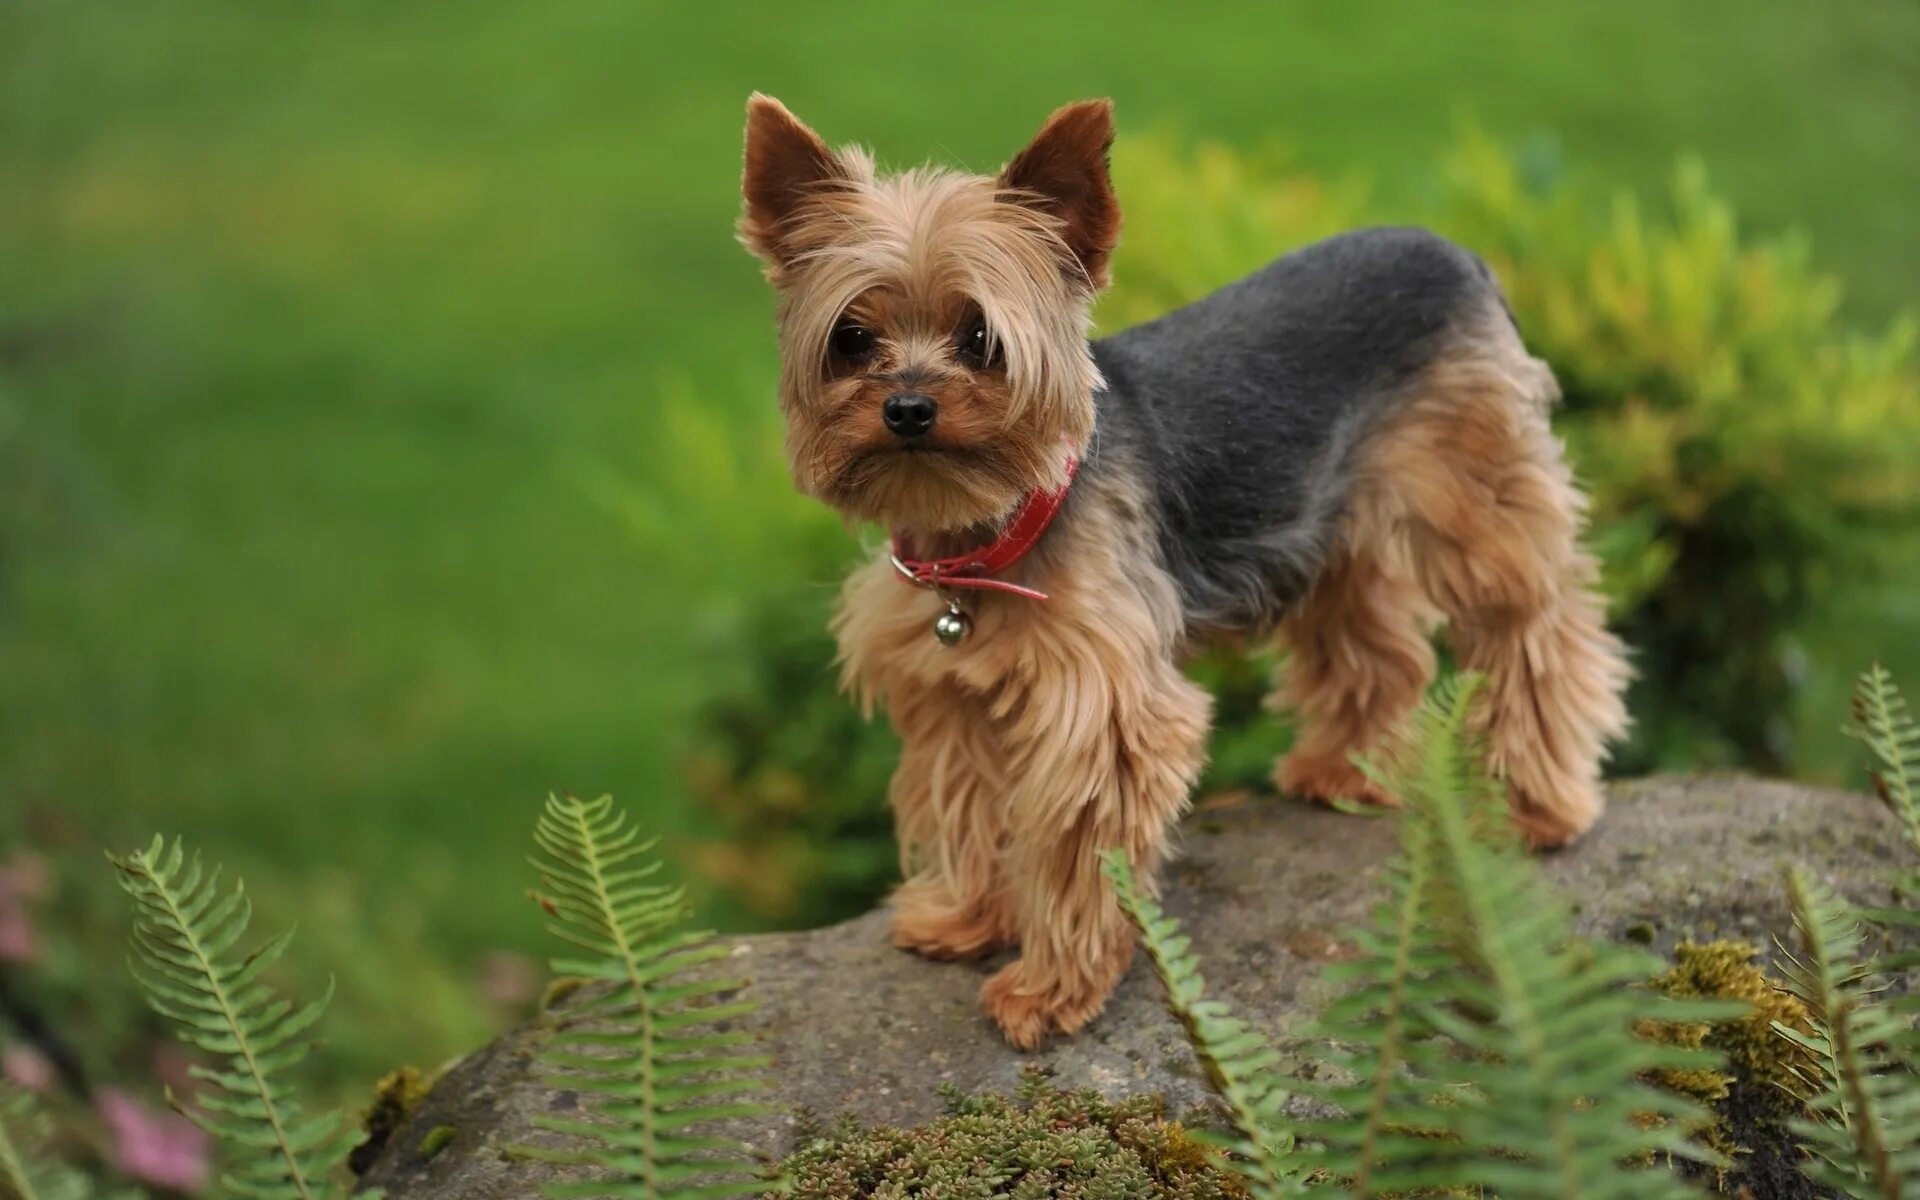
<point>1492,520</point>
<point>1358,661</point>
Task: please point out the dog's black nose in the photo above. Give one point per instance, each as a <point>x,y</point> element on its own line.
<point>909,414</point>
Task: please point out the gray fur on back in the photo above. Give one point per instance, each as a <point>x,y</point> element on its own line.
<point>1240,413</point>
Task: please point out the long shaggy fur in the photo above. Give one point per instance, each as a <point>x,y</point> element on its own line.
<point>1345,450</point>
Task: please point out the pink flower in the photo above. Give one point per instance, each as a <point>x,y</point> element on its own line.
<point>24,877</point>
<point>25,1067</point>
<point>508,979</point>
<point>17,941</point>
<point>163,1150</point>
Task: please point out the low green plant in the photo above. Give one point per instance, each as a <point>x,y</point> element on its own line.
<point>1044,1142</point>
<point>1240,1062</point>
<point>1250,731</point>
<point>1861,1074</point>
<point>1479,1046</point>
<point>649,1042</point>
<point>1863,1087</point>
<point>1883,723</point>
<point>790,775</point>
<point>186,934</point>
<point>1488,1047</point>
<point>785,777</point>
<point>27,1170</point>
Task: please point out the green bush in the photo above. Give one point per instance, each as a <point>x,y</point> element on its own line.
<point>789,781</point>
<point>793,777</point>
<point>1748,455</point>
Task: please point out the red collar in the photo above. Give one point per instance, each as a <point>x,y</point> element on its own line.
<point>976,568</point>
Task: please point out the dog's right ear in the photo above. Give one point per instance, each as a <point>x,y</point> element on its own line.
<point>1063,173</point>
<point>785,164</point>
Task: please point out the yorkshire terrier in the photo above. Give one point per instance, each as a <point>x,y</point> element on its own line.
<point>1342,449</point>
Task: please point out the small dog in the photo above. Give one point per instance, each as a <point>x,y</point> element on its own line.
<point>1343,448</point>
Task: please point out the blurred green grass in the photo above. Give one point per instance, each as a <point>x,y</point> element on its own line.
<point>314,319</point>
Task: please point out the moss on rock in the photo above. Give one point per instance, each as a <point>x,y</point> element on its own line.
<point>1730,970</point>
<point>1042,1144</point>
<point>1756,1094</point>
<point>438,1138</point>
<point>398,1093</point>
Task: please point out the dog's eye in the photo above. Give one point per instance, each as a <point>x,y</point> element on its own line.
<point>851,341</point>
<point>976,348</point>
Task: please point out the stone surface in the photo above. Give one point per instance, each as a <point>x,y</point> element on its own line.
<point>1266,889</point>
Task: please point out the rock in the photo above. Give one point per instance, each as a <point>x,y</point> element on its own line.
<point>1267,890</point>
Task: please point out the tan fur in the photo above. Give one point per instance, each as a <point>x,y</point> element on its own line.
<point>1465,506</point>
<point>1359,660</point>
<point>948,797</point>
<point>1057,731</point>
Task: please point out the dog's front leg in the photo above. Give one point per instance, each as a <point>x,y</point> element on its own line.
<point>949,805</point>
<point>949,792</point>
<point>1105,745</point>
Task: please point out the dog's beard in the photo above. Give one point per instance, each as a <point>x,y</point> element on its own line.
<point>933,489</point>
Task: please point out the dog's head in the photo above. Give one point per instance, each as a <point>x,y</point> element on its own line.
<point>932,323</point>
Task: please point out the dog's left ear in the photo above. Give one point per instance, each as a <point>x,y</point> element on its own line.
<point>1063,172</point>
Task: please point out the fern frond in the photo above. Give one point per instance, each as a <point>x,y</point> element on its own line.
<point>646,1045</point>
<point>1238,1059</point>
<point>1902,919</point>
<point>186,928</point>
<point>26,1173</point>
<point>1488,1050</point>
<point>1884,724</point>
<point>1374,1023</point>
<point>183,957</point>
<point>1865,1094</point>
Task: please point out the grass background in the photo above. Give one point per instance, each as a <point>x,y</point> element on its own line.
<point>317,324</point>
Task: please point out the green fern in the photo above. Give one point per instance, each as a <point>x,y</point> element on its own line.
<point>646,1043</point>
<point>185,930</point>
<point>1883,722</point>
<point>1487,1048</point>
<point>26,1173</point>
<point>1865,1093</point>
<point>1238,1059</point>
<point>1376,1021</point>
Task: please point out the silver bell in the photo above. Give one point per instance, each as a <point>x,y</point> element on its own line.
<point>952,626</point>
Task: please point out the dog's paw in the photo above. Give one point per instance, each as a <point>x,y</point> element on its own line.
<point>1549,826</point>
<point>1329,781</point>
<point>927,922</point>
<point>1027,1011</point>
